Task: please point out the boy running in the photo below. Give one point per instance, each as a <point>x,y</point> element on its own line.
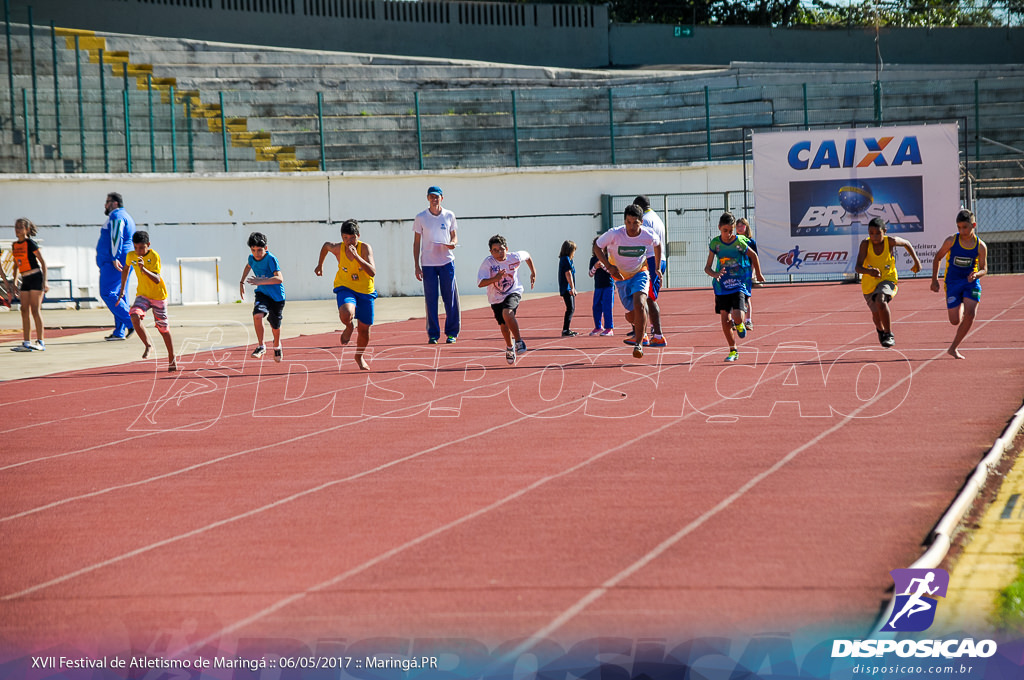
<point>499,274</point>
<point>353,286</point>
<point>269,282</point>
<point>151,293</point>
<point>731,279</point>
<point>623,253</point>
<point>876,263</point>
<point>966,262</point>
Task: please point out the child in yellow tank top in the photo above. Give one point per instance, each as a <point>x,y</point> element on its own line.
<point>876,263</point>
<point>353,286</point>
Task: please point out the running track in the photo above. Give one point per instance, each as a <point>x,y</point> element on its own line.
<point>580,493</point>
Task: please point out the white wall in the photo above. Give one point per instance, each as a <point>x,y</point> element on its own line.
<point>212,215</point>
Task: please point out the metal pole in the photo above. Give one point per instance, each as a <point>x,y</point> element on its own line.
<point>878,102</point>
<point>320,118</point>
<point>707,116</point>
<point>515,126</point>
<point>806,121</point>
<point>56,89</point>
<point>28,142</point>
<point>103,107</point>
<point>127,127</point>
<point>35,91</point>
<point>223,132</point>
<point>419,130</point>
<point>977,123</point>
<point>188,131</point>
<point>174,141</point>
<point>81,105</point>
<point>611,123</point>
<point>152,132</point>
<point>10,58</point>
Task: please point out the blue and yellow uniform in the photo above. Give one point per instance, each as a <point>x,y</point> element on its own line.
<point>354,286</point>
<point>961,262</point>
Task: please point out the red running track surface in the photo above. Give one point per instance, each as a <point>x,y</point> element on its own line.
<point>579,493</point>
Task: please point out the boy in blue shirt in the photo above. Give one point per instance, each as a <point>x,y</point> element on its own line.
<point>269,282</point>
<point>732,278</point>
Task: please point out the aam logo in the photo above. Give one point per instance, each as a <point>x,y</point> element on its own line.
<point>855,153</point>
<point>914,605</point>
<point>793,259</point>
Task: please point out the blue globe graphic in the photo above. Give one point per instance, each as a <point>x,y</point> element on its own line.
<point>855,197</point>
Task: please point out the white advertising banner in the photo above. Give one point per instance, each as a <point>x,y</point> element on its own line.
<point>815,192</point>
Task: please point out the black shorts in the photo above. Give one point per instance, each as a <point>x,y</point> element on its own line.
<point>511,302</point>
<point>270,308</point>
<point>727,303</point>
<point>33,281</point>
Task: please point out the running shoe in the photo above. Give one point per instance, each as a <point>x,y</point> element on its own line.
<point>38,346</point>
<point>607,332</point>
<point>451,339</point>
<point>431,341</point>
<point>658,341</point>
<point>889,340</point>
<point>749,324</point>
<point>733,355</point>
<point>277,354</point>
<point>259,352</point>
<point>630,341</point>
<point>881,338</point>
<point>596,331</point>
<point>520,346</point>
<point>741,330</point>
<point>638,351</point>
<point>569,334</point>
<point>114,337</point>
<point>510,355</point>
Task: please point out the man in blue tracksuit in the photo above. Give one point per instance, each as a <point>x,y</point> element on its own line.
<point>112,248</point>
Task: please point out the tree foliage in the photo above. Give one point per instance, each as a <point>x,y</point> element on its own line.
<point>901,13</point>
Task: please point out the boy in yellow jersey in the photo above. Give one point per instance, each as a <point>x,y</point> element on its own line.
<point>876,263</point>
<point>150,294</point>
<point>353,286</point>
<point>966,262</point>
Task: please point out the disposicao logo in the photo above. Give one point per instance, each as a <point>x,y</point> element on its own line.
<point>916,590</point>
<point>914,607</point>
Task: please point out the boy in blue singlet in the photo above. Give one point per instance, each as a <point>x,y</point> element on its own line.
<point>966,262</point>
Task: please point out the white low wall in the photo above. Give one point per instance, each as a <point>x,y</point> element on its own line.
<point>212,215</point>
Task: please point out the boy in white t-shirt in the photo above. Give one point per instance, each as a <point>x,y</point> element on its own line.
<point>623,252</point>
<point>499,274</point>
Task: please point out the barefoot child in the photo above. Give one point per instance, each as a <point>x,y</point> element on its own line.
<point>150,294</point>
<point>30,267</point>
<point>269,282</point>
<point>966,262</point>
<point>499,274</point>
<point>353,286</point>
<point>876,263</point>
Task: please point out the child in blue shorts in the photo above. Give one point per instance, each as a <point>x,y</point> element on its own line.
<point>353,286</point>
<point>966,261</point>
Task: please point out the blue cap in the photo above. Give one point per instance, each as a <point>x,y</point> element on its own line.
<point>435,190</point>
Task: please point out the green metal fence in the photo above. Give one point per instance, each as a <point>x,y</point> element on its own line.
<point>95,117</point>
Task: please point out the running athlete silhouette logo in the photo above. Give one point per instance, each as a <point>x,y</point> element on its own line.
<point>791,258</point>
<point>914,610</point>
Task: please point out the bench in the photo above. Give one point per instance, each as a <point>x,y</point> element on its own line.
<point>70,297</point>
